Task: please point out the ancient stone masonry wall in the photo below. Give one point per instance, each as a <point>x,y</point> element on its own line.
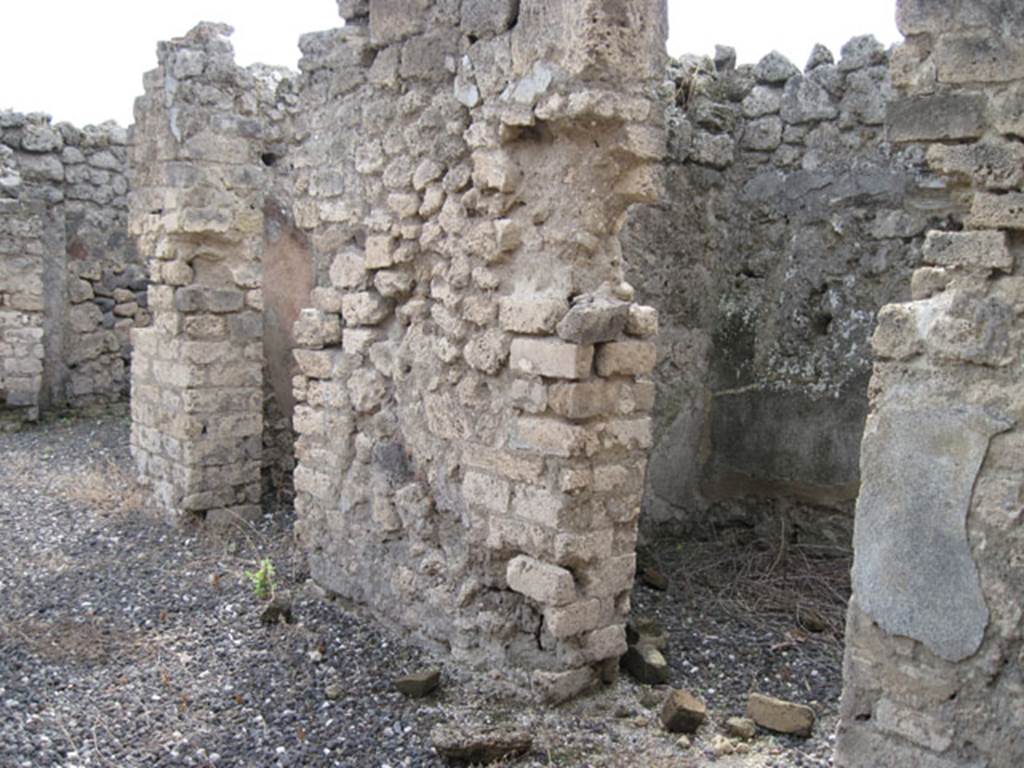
<point>787,221</point>
<point>473,404</point>
<point>71,273</point>
<point>197,206</point>
<point>934,667</point>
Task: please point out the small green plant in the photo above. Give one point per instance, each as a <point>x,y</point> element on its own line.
<point>262,579</point>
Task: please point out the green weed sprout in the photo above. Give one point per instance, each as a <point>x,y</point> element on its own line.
<point>262,579</point>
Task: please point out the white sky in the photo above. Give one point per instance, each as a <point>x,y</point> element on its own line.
<point>82,60</point>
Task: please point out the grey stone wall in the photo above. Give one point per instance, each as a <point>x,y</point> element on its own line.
<point>78,270</point>
<point>788,220</point>
<point>934,664</point>
<point>207,138</point>
<point>472,404</point>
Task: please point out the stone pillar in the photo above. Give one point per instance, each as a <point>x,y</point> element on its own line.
<point>197,210</point>
<point>474,395</point>
<point>934,667</point>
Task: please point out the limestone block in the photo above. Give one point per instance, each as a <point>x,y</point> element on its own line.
<point>606,643</point>
<point>551,357</point>
<point>997,211</point>
<point>507,463</point>
<point>495,170</point>
<point>593,319</point>
<point>380,252</point>
<point>541,506</point>
<point>556,687</point>
<point>575,618</point>
<point>40,138</point>
<point>486,492</point>
<point>483,18</point>
<point>315,329</point>
<point>717,151</point>
<point>968,250</point>
<point>487,351</point>
<point>978,56</point>
<point>936,117</point>
<point>550,436</point>
<point>365,308</point>
<point>682,712</point>
<point>860,52</point>
<point>348,270</point>
<point>780,716</point>
<point>609,577</point>
<point>539,581</point>
<point>584,400</point>
<point>896,334</point>
<point>626,358</point>
<point>536,314</point>
<point>989,164</point>
<point>394,20</point>
<point>320,364</point>
<point>642,321</point>
<point>200,298</point>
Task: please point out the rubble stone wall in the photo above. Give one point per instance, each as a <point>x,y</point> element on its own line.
<point>473,402</point>
<point>934,665</point>
<point>788,221</point>
<point>69,269</point>
<point>206,132</point>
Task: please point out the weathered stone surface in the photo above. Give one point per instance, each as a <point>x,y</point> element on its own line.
<point>682,712</point>
<point>551,357</point>
<point>646,664</point>
<point>540,581</point>
<point>780,716</point>
<point>968,250</point>
<point>419,684</point>
<point>593,319</point>
<point>922,467</point>
<point>923,118</point>
<point>478,745</point>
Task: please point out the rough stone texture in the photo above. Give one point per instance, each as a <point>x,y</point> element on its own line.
<point>463,172</point>
<point>67,265</point>
<point>932,671</point>
<point>768,262</point>
<point>780,716</point>
<point>205,131</point>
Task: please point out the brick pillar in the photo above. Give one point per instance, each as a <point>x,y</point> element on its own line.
<point>934,666</point>
<point>197,209</point>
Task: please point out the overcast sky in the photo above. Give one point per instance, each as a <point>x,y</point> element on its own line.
<point>82,60</point>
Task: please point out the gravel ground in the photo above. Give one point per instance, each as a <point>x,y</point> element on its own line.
<point>125,642</point>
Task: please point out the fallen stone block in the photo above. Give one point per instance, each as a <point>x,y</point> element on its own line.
<point>419,684</point>
<point>646,664</point>
<point>779,715</point>
<point>683,712</point>
<point>471,745</point>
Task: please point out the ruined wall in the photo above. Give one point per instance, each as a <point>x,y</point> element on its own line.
<point>206,134</point>
<point>787,221</point>
<point>471,407</point>
<point>69,269</point>
<point>934,667</point>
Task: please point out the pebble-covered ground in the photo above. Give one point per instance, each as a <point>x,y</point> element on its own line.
<point>126,642</point>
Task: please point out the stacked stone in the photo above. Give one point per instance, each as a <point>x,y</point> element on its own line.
<point>94,289</point>
<point>33,264</point>
<point>934,672</point>
<point>107,281</point>
<point>789,220</point>
<point>21,298</point>
<point>197,209</point>
<point>472,404</point>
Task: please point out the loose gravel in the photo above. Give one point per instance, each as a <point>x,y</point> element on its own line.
<point>128,642</point>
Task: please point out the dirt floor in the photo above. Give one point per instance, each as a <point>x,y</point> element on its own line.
<point>125,642</point>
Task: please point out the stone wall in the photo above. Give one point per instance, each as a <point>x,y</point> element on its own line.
<point>207,136</point>
<point>472,404</point>
<point>69,269</point>
<point>934,667</point>
<point>788,220</point>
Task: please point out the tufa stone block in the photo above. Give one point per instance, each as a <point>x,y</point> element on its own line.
<point>682,712</point>
<point>968,250</point>
<point>779,715</point>
<point>626,358</point>
<point>593,319</point>
<point>535,314</point>
<point>540,581</point>
<point>935,117</point>
<point>552,358</point>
